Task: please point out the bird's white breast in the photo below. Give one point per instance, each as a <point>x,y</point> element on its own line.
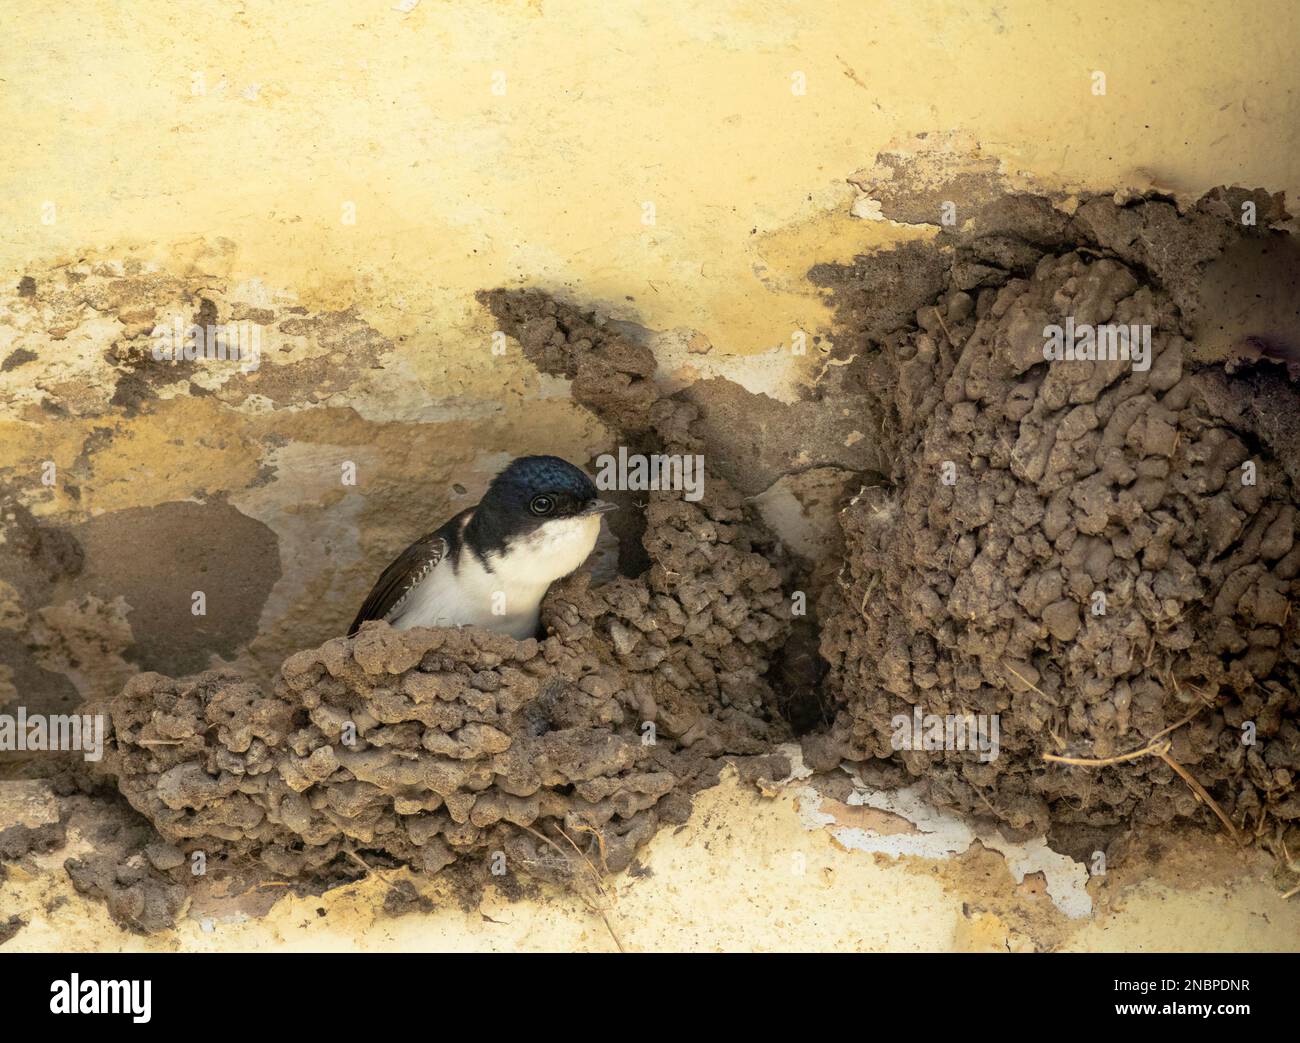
<point>507,598</point>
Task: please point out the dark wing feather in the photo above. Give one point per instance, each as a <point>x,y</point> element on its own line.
<point>411,566</point>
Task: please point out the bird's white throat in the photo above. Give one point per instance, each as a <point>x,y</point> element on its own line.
<point>552,550</point>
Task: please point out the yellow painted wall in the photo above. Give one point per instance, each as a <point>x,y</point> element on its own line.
<point>155,126</point>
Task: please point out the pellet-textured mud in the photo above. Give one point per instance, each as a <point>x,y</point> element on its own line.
<point>1170,493</point>
<point>1069,480</point>
<point>426,746</point>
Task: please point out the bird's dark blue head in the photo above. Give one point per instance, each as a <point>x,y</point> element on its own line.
<point>530,492</point>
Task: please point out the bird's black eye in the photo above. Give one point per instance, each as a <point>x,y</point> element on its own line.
<point>542,505</point>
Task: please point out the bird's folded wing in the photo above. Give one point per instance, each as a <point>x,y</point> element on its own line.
<point>400,578</point>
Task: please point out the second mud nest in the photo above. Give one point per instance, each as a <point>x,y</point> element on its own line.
<point>1112,559</point>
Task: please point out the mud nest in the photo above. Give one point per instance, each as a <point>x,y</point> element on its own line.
<point>425,746</point>
<point>1116,555</point>
<point>1069,482</point>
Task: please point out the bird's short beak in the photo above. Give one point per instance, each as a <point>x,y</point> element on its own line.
<point>600,507</point>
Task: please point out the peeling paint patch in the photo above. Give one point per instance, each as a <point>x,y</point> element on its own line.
<point>93,326</point>
<point>931,179</point>
<point>940,835</point>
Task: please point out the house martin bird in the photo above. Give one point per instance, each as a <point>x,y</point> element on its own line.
<point>491,564</point>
